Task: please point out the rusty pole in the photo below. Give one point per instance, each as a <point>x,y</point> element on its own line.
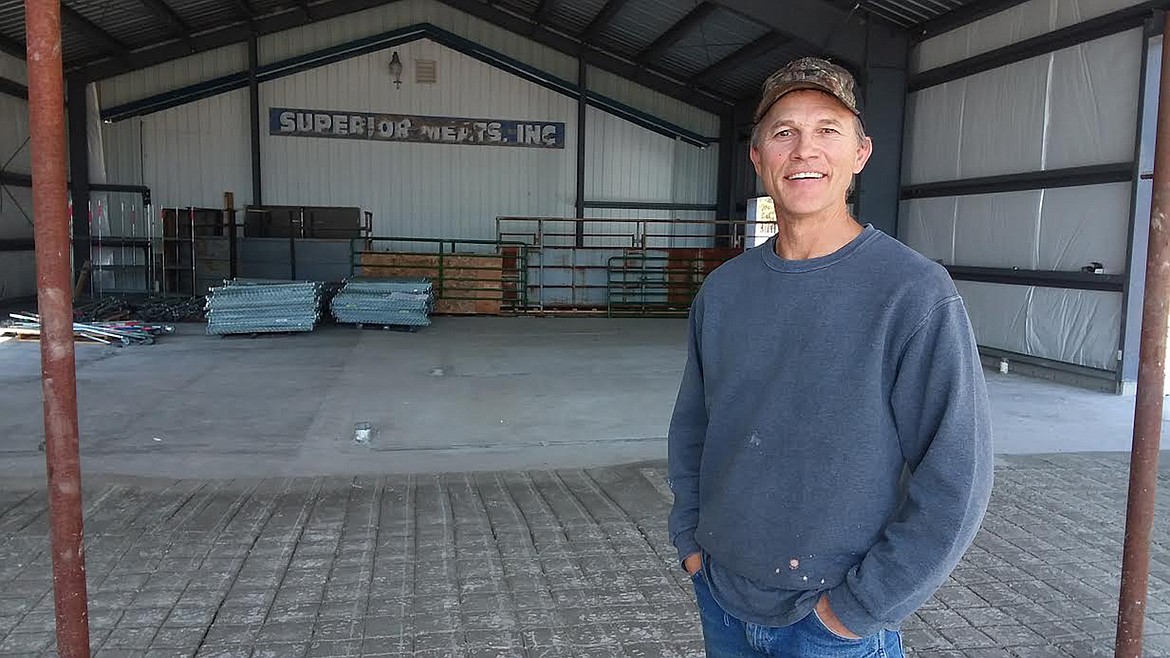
<point>1147,422</point>
<point>46,106</point>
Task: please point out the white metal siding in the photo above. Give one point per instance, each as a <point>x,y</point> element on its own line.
<point>625,162</point>
<point>652,102</point>
<point>188,155</point>
<point>1021,22</point>
<point>421,190</point>
<point>176,74</point>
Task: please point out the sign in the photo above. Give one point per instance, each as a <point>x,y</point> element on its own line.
<point>414,128</point>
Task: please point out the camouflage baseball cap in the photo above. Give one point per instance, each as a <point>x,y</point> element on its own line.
<point>809,73</point>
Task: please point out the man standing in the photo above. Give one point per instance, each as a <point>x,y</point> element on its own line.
<point>830,449</point>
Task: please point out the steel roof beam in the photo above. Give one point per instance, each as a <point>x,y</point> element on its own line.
<point>92,33</point>
<point>676,32</point>
<point>820,28</point>
<point>602,19</point>
<point>12,47</point>
<point>238,33</point>
<point>757,48</point>
<point>592,55</point>
<point>163,12</point>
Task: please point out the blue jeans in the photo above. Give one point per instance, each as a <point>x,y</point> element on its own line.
<point>728,637</point>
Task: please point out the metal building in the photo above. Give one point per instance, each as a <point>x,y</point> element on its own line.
<point>1012,137</point>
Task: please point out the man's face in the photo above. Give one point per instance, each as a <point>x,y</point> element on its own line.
<point>806,151</point>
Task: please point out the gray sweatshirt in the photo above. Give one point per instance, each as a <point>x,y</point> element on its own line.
<point>831,434</point>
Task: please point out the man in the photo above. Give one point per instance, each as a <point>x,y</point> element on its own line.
<point>830,449</point>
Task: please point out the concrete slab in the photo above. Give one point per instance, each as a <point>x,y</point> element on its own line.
<point>524,564</point>
<point>464,394</point>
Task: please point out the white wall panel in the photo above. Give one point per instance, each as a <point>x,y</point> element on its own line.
<point>1004,120</point>
<point>1075,107</point>
<point>173,75</point>
<point>1024,21</point>
<point>1079,225</point>
<point>14,134</point>
<point>928,226</point>
<point>1093,101</point>
<point>421,190</point>
<point>13,68</point>
<point>1071,12</point>
<point>934,124</point>
<point>122,142</point>
<point>997,230</point>
<point>18,274</point>
<point>625,162</point>
<point>696,173</point>
<point>999,314</point>
<point>191,154</point>
<point>1073,326</point>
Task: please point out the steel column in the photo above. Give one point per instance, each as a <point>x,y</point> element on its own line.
<point>582,89</point>
<point>79,186</point>
<point>254,119</point>
<point>1147,424</point>
<point>723,184</point>
<point>55,305</point>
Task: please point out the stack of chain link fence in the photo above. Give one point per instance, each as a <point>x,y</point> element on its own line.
<point>249,306</point>
<point>387,302</point>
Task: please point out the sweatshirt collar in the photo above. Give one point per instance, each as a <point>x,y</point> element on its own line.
<point>768,250</point>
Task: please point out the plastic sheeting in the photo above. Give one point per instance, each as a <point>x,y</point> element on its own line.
<point>1073,326</point>
<point>1060,229</point>
<point>1093,102</point>
<point>1073,107</point>
<point>1079,225</point>
<point>928,225</point>
<point>998,230</point>
<point>934,117</point>
<point>1021,22</point>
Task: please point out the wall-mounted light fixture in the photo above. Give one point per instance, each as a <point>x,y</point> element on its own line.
<point>396,69</point>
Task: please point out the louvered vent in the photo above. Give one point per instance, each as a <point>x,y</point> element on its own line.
<point>426,71</point>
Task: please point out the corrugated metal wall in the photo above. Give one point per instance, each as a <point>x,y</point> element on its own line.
<point>191,154</point>
<point>188,155</point>
<point>421,190</point>
<point>1074,107</point>
<point>17,268</point>
<point>173,75</point>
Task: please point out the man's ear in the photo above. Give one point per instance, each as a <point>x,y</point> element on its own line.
<point>863,153</point>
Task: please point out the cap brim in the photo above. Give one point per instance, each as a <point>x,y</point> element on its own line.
<point>777,92</point>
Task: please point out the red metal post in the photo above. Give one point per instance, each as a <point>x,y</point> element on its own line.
<point>46,105</point>
<point>1147,422</point>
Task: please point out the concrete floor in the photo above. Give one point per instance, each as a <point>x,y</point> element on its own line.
<point>464,394</point>
<point>556,546</point>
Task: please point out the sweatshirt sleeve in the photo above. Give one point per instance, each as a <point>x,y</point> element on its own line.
<point>688,429</point>
<point>939,403</point>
